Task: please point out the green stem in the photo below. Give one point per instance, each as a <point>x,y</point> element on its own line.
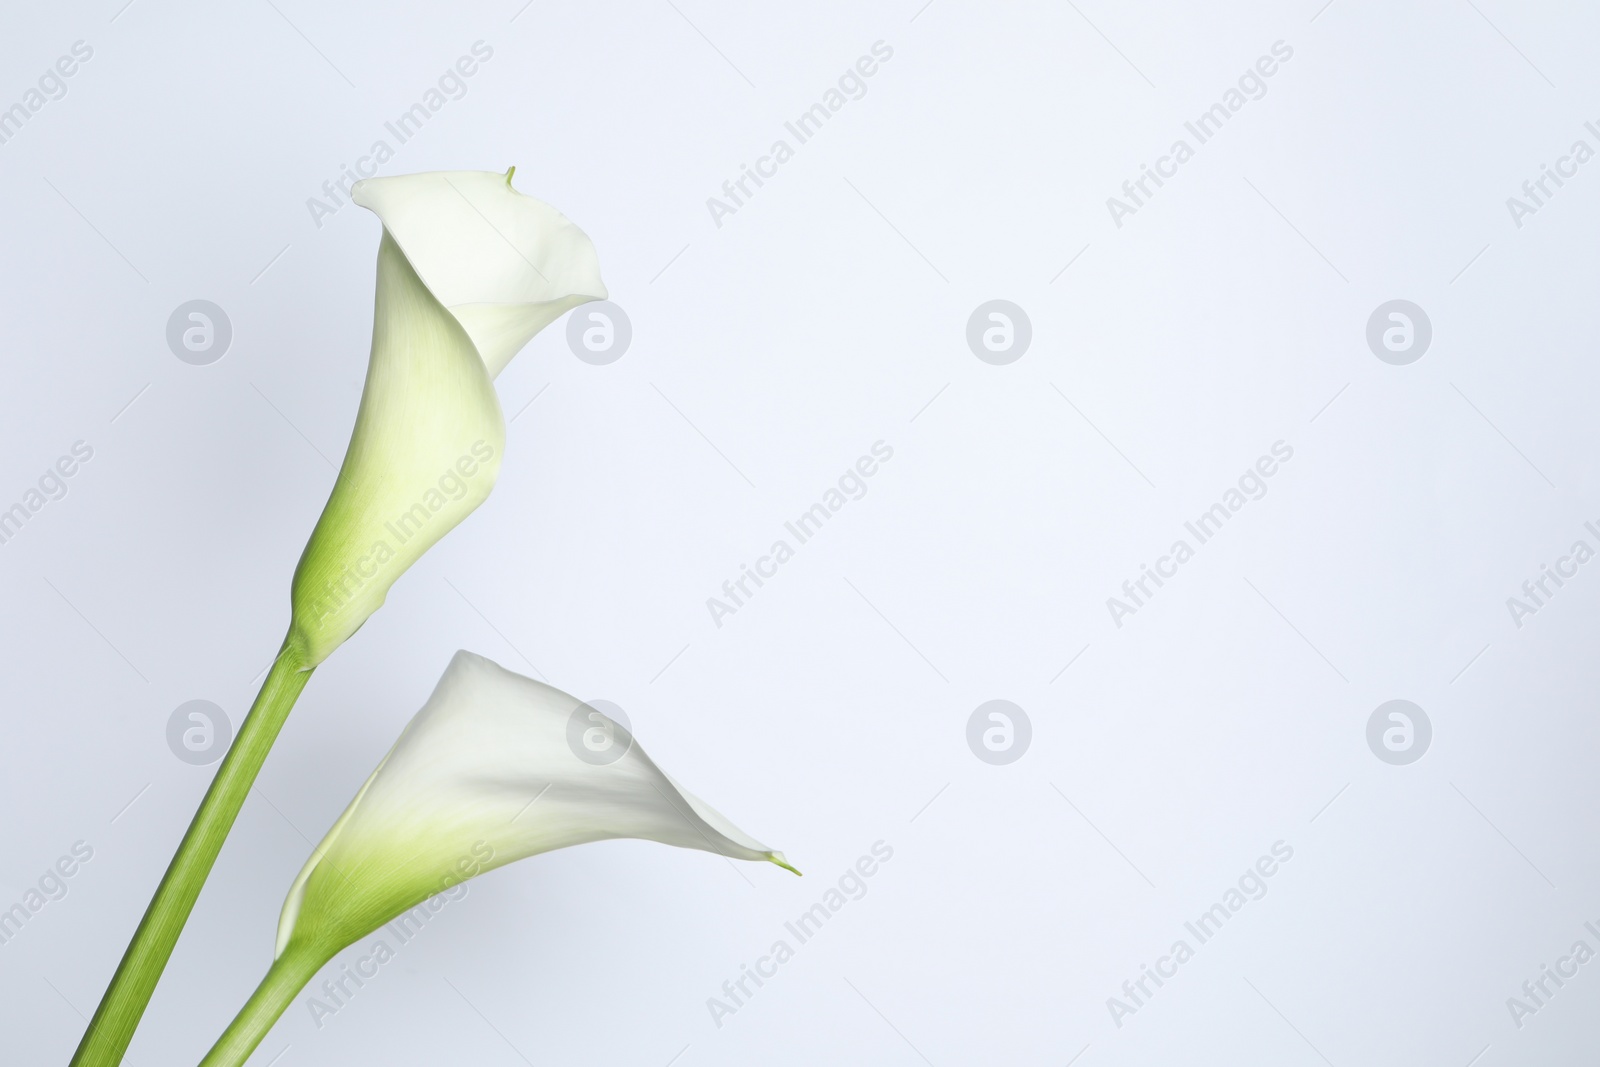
<point>106,1040</point>
<point>288,975</point>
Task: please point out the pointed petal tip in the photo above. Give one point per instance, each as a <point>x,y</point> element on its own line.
<point>777,857</point>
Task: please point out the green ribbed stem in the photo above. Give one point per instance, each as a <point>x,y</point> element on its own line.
<point>288,975</point>
<point>106,1040</point>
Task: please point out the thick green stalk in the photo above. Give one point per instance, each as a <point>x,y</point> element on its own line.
<point>106,1040</point>
<point>288,975</point>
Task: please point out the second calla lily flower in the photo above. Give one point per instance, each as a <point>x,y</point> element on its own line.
<point>493,769</point>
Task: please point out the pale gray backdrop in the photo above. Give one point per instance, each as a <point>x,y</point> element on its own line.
<point>1176,338</point>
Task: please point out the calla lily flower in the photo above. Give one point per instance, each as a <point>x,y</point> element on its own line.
<point>469,270</point>
<point>496,767</point>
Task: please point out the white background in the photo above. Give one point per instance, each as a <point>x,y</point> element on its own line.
<point>830,712</point>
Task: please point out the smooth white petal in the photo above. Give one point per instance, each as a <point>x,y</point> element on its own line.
<point>469,270</point>
<point>485,774</point>
<point>505,264</point>
<point>424,453</point>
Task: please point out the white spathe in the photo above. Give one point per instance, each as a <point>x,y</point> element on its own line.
<point>505,265</point>
<point>488,772</point>
<point>469,270</point>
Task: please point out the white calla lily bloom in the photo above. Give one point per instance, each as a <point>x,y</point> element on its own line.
<point>494,768</point>
<point>469,270</point>
<point>488,772</point>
